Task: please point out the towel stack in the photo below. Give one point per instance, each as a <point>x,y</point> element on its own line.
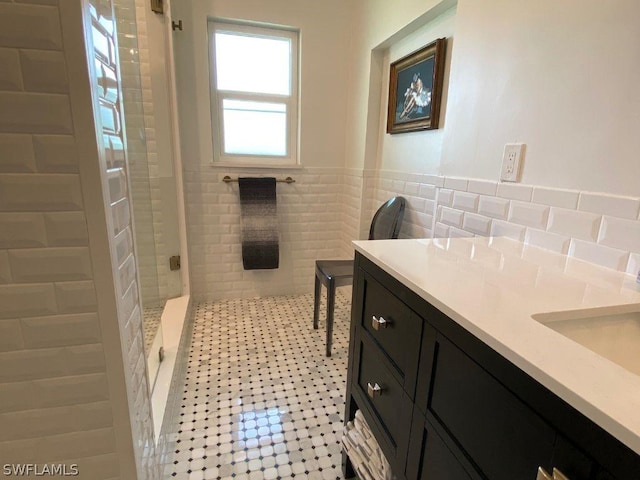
<point>364,452</point>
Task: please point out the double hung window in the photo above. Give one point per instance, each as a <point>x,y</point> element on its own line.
<point>254,94</point>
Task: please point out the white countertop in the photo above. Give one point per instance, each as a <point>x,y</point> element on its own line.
<point>493,286</point>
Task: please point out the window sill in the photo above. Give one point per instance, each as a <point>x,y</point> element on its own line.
<point>240,166</point>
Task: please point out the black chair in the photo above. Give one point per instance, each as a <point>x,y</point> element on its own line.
<point>337,273</point>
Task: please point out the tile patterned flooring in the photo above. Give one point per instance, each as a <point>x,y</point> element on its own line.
<point>260,399</point>
<point>151,322</point>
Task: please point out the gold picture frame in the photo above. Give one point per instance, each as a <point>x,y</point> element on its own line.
<point>415,89</point>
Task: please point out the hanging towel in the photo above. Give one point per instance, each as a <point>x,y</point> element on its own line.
<point>260,249</point>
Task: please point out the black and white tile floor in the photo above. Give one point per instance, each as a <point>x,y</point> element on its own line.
<point>260,399</point>
<point>151,323</point>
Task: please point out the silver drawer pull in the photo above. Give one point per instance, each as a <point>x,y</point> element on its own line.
<point>374,390</point>
<point>558,475</point>
<point>379,323</point>
<point>543,475</point>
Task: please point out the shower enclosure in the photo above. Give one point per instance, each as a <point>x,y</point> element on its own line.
<point>140,113</point>
<point>151,177</point>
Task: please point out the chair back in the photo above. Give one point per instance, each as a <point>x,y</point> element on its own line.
<point>387,221</point>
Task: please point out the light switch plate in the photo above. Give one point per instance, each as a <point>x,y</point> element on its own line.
<point>511,162</point>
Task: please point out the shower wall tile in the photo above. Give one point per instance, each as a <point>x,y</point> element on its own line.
<point>66,229</point>
<point>23,26</point>
<point>56,153</point>
<point>27,300</point>
<point>44,71</point>
<point>55,402</point>
<point>5,268</point>
<point>38,265</point>
<point>24,112</point>
<point>39,192</point>
<point>20,230</point>
<point>76,297</point>
<point>61,330</point>
<point>11,336</point>
<point>10,75</point>
<point>16,154</point>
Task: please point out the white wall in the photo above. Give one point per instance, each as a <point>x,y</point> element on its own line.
<point>380,24</point>
<point>561,77</point>
<point>416,152</point>
<point>324,40</point>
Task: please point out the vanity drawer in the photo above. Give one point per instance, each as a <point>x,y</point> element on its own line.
<point>501,434</point>
<point>395,328</point>
<point>384,396</point>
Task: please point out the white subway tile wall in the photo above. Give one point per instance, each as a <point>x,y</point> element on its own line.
<point>351,210</point>
<point>594,227</point>
<point>311,227</point>
<point>54,400</point>
<point>625,207</point>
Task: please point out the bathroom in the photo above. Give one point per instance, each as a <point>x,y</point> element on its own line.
<point>86,237</point>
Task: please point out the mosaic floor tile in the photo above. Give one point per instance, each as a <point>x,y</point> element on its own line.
<point>260,399</point>
<point>151,322</point>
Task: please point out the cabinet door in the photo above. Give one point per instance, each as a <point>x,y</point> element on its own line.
<point>571,461</point>
<point>499,433</point>
<point>430,458</point>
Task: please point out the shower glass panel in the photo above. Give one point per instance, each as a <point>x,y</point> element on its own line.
<point>153,195</point>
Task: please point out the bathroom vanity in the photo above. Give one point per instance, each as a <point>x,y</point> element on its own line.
<point>465,368</point>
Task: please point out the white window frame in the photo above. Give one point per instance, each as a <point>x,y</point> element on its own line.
<point>217,98</point>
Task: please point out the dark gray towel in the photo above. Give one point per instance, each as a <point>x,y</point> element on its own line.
<point>260,249</point>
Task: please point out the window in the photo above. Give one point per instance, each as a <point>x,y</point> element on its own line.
<point>254,94</point>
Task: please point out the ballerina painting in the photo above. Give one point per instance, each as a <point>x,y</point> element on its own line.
<point>415,88</point>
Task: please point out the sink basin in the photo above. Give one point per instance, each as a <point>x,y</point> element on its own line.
<point>612,332</point>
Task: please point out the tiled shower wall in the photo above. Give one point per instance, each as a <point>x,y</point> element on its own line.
<point>54,395</point>
<point>595,227</point>
<point>311,226</point>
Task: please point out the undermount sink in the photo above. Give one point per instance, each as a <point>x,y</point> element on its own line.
<point>611,332</point>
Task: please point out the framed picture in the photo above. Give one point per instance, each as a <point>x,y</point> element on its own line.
<point>415,89</point>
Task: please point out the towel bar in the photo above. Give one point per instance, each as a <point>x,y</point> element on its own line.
<point>228,179</point>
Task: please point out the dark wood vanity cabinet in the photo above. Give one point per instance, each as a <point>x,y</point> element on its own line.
<point>445,406</point>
